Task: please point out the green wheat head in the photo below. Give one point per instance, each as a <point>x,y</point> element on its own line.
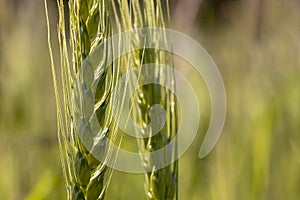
<point>84,115</point>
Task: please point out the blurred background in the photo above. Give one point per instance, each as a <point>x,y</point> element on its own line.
<point>255,44</point>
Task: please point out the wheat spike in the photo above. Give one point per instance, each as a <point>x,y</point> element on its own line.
<point>84,116</point>
<point>160,184</point>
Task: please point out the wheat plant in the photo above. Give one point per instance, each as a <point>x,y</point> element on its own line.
<point>160,184</point>
<point>84,103</point>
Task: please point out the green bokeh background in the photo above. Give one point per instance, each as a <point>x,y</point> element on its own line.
<point>255,44</point>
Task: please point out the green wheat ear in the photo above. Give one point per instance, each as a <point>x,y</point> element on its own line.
<point>160,184</point>
<point>85,115</point>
